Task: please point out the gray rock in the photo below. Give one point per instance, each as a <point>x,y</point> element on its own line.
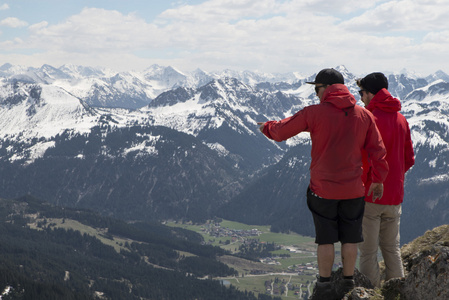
<point>426,263</point>
<point>361,293</point>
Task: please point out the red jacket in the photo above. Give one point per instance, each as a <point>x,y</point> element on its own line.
<point>339,130</point>
<point>395,133</point>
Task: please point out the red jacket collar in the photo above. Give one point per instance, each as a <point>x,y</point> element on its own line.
<point>339,96</point>
<point>384,101</point>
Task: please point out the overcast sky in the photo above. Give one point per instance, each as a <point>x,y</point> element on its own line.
<point>274,36</point>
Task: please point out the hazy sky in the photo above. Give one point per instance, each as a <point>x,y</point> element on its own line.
<point>258,35</point>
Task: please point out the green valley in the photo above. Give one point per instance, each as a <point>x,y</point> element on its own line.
<point>287,270</point>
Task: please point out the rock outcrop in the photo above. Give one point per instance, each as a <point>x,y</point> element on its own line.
<point>426,264</point>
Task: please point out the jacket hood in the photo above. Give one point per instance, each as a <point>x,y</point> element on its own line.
<point>339,96</point>
<point>384,101</point>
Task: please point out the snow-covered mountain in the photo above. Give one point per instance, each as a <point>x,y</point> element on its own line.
<point>56,147</point>
<point>48,109</point>
<point>187,143</point>
<point>101,87</point>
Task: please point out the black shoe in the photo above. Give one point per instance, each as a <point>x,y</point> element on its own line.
<point>323,291</point>
<point>344,286</point>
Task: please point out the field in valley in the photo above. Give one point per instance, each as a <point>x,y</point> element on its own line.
<point>288,274</point>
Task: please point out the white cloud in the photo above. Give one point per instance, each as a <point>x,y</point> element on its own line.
<point>441,37</point>
<point>403,15</point>
<point>13,22</point>
<point>266,35</point>
<point>320,7</point>
<point>221,11</point>
<point>95,30</point>
<point>38,26</point>
<point>4,6</point>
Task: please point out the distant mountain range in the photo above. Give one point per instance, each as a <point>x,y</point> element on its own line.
<point>107,88</point>
<point>164,144</point>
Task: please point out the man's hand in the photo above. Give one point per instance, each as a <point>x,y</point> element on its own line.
<point>377,189</point>
<point>261,126</point>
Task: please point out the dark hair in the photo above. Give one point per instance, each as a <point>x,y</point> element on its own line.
<point>373,82</point>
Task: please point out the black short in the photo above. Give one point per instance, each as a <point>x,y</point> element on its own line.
<point>336,220</point>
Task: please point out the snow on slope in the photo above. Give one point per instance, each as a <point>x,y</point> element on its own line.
<point>208,107</point>
<point>433,108</point>
<point>46,116</point>
<point>205,111</point>
<point>40,113</point>
<point>188,117</point>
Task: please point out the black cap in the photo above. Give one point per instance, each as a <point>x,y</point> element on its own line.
<point>328,76</point>
<point>374,82</point>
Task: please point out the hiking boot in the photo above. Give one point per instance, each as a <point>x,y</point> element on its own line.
<point>344,286</point>
<point>323,291</point>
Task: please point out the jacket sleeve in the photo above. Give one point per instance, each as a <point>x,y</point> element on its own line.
<point>286,128</point>
<point>409,155</point>
<point>366,168</point>
<point>375,148</point>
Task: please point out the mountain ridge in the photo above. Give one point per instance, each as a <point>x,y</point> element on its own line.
<point>221,115</point>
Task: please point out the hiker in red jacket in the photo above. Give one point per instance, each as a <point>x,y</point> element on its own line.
<point>339,130</point>
<point>382,216</point>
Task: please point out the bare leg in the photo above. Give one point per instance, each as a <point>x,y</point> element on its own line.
<point>349,257</point>
<point>326,255</point>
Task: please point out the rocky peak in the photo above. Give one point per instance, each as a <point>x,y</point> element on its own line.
<point>172,97</point>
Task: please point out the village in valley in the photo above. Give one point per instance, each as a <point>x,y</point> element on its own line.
<point>283,265</point>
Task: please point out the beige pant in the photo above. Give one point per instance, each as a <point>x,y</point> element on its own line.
<point>381,230</point>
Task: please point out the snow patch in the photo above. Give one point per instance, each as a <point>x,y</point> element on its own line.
<point>222,151</point>
<point>146,147</point>
<point>435,179</point>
